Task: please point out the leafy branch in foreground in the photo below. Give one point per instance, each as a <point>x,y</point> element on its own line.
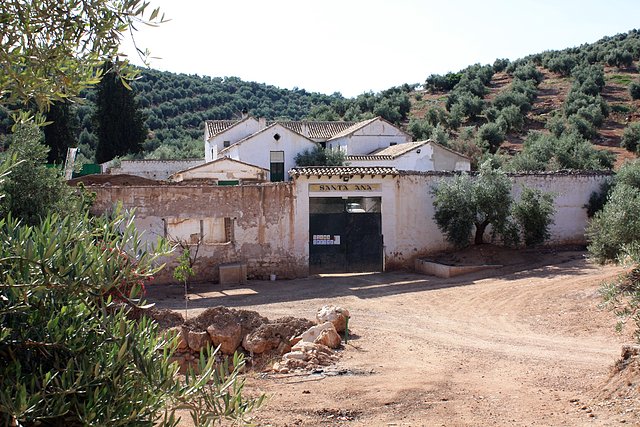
<point>72,355</point>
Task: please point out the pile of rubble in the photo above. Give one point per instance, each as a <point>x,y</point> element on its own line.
<point>301,343</point>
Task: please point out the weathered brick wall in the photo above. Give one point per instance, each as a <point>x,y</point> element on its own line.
<point>262,217</point>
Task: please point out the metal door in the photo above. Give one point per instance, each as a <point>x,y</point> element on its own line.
<point>345,235</point>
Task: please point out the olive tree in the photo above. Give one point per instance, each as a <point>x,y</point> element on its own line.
<point>71,355</point>
<point>467,205</point>
<point>51,50</point>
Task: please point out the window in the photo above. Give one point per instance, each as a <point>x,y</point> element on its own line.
<point>226,144</point>
<point>194,231</point>
<point>391,144</point>
<point>277,166</point>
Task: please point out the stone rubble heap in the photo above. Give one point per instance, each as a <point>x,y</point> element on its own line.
<point>301,343</point>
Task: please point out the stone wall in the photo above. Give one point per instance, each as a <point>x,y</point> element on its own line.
<point>266,225</point>
<point>258,221</point>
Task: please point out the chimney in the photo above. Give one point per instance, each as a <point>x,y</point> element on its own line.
<point>305,129</point>
<point>262,122</point>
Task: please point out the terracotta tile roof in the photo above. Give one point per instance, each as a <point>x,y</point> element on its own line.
<point>398,149</point>
<point>342,170</point>
<point>369,157</point>
<point>218,126</point>
<point>317,130</point>
<point>354,127</point>
<point>314,130</point>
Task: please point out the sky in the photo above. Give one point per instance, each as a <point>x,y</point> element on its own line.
<point>356,46</point>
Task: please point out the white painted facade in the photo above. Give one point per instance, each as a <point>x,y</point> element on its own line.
<point>224,169</point>
<point>159,170</point>
<point>408,227</point>
<point>422,157</point>
<point>216,143</point>
<point>375,134</point>
<point>256,149</point>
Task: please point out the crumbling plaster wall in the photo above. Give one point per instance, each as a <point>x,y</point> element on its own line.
<point>262,218</point>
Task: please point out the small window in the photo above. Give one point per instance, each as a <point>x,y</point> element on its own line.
<point>391,144</point>
<point>276,169</point>
<point>276,137</point>
<point>226,144</point>
<point>199,231</point>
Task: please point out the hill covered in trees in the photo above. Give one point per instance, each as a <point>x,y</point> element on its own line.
<point>570,108</point>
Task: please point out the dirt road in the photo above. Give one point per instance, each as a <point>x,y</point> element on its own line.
<point>522,348</point>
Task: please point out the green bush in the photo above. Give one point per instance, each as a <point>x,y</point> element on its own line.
<point>631,137</point>
<point>419,129</point>
<point>490,137</point>
<point>500,64</point>
<point>528,72</point>
<point>464,204</point>
<point>616,225</point>
<point>562,64</point>
<point>534,215</point>
<point>319,156</point>
<point>569,151</point>
<point>71,355</point>
<point>510,119</point>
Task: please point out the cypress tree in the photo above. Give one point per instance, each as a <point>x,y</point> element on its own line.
<point>120,125</point>
<point>61,133</point>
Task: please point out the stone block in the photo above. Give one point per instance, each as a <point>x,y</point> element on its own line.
<point>233,273</point>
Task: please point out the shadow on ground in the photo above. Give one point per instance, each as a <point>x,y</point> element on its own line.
<point>362,285</point>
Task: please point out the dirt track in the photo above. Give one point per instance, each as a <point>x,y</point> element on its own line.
<point>525,348</point>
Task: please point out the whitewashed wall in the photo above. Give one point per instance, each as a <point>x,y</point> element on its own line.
<point>213,145</point>
<point>256,149</point>
<point>375,135</point>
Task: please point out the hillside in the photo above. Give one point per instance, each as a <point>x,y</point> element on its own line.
<point>585,90</point>
<point>482,110</point>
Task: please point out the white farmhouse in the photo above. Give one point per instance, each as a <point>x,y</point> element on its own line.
<point>274,145</point>
<point>420,156</point>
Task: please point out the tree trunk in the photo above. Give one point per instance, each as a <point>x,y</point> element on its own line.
<point>480,228</point>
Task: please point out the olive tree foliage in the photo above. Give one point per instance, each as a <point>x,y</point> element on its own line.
<point>617,224</point>
<point>319,156</point>
<point>71,354</point>
<point>467,205</point>
<point>31,190</point>
<point>51,50</point>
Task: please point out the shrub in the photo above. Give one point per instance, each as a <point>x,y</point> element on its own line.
<point>562,64</point>
<point>631,137</point>
<point>319,156</point>
<point>569,151</point>
<point>510,119</point>
<point>511,97</point>
<point>500,64</point>
<point>490,137</point>
<point>534,215</point>
<point>420,129</point>
<point>72,357</point>
<point>442,83</point>
<point>556,124</point>
<point>616,225</point>
<point>619,58</point>
<point>528,72</point>
<point>634,90</point>
<point>463,204</point>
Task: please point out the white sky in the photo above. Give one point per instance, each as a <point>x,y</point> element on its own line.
<point>353,46</point>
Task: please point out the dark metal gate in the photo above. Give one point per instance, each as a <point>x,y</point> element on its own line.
<point>345,235</point>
